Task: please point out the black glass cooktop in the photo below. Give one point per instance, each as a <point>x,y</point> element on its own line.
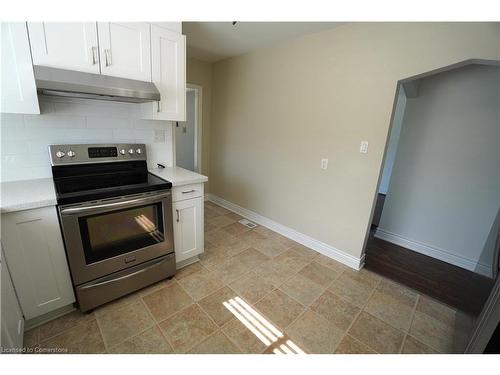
<point>87,182</point>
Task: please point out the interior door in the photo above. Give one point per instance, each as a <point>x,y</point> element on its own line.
<point>125,49</point>
<point>65,45</point>
<point>168,50</point>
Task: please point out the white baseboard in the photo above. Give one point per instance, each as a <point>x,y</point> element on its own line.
<point>320,247</point>
<point>434,252</point>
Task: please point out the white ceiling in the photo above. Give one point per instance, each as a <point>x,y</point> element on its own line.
<point>213,41</point>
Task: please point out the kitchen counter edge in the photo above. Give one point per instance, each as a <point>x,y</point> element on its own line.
<point>178,176</point>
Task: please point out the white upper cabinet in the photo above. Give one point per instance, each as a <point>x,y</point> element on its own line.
<point>65,45</point>
<point>125,49</point>
<point>172,26</point>
<point>18,89</point>
<point>168,51</point>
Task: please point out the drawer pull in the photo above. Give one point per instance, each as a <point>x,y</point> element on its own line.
<point>107,56</point>
<point>189,191</point>
<point>93,52</point>
<point>177,211</point>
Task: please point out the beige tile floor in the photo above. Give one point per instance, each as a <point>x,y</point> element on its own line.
<point>255,291</point>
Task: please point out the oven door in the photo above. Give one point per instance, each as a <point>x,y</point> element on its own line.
<point>109,235</point>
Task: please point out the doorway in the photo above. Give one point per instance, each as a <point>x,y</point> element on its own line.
<point>436,215</point>
<point>188,133</point>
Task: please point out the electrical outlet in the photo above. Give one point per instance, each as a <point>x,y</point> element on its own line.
<point>159,136</point>
<point>324,163</point>
<point>363,148</point>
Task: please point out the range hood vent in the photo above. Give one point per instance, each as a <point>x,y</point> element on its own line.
<point>73,84</point>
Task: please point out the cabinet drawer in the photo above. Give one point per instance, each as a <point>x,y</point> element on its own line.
<point>180,193</point>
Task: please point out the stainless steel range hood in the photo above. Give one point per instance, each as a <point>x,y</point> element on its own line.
<point>73,84</point>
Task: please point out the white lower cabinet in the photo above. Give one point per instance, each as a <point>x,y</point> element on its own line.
<point>188,228</point>
<point>12,328</point>
<point>34,250</point>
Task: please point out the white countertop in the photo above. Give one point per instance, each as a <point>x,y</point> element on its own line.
<point>178,176</point>
<point>27,194</point>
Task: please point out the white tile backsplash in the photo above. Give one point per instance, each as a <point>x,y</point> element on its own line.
<point>25,138</point>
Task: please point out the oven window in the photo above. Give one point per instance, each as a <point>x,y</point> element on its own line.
<point>110,234</point>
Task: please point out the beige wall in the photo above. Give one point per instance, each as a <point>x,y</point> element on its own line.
<point>200,73</point>
<point>277,111</point>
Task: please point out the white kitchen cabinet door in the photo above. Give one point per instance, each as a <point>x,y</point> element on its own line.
<point>34,251</point>
<point>172,26</point>
<point>65,45</point>
<point>168,51</point>
<point>12,317</point>
<point>18,89</point>
<point>125,49</point>
<point>188,228</point>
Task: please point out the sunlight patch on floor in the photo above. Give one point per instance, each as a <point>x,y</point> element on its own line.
<point>264,330</point>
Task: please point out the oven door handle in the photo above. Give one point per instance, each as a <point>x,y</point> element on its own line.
<point>114,280</point>
<point>77,210</point>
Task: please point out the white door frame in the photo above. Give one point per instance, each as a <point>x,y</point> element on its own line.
<point>198,97</point>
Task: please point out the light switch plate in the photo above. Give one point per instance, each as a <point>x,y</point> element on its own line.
<point>363,148</point>
<point>159,136</point>
<point>324,164</point>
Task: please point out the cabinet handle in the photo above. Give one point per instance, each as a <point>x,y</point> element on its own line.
<point>107,56</point>
<point>189,191</point>
<point>178,216</point>
<point>159,106</point>
<point>93,51</point>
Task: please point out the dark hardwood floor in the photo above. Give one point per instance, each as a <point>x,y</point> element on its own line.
<point>455,286</point>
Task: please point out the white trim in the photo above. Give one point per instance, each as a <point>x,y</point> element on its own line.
<point>198,100</point>
<point>441,254</point>
<point>320,247</point>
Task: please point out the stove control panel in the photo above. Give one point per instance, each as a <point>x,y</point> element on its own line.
<point>102,152</point>
<point>96,153</point>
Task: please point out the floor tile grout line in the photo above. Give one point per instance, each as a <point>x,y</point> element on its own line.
<point>174,313</point>
<point>141,301</point>
<point>164,335</point>
<point>231,341</point>
<point>194,302</point>
<point>361,310</point>
<point>201,341</point>
<point>40,341</point>
<point>102,335</point>
<point>289,278</point>
<point>404,330</point>
<point>130,337</point>
<point>156,324</point>
<point>275,288</point>
<point>307,307</point>
<point>414,309</point>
